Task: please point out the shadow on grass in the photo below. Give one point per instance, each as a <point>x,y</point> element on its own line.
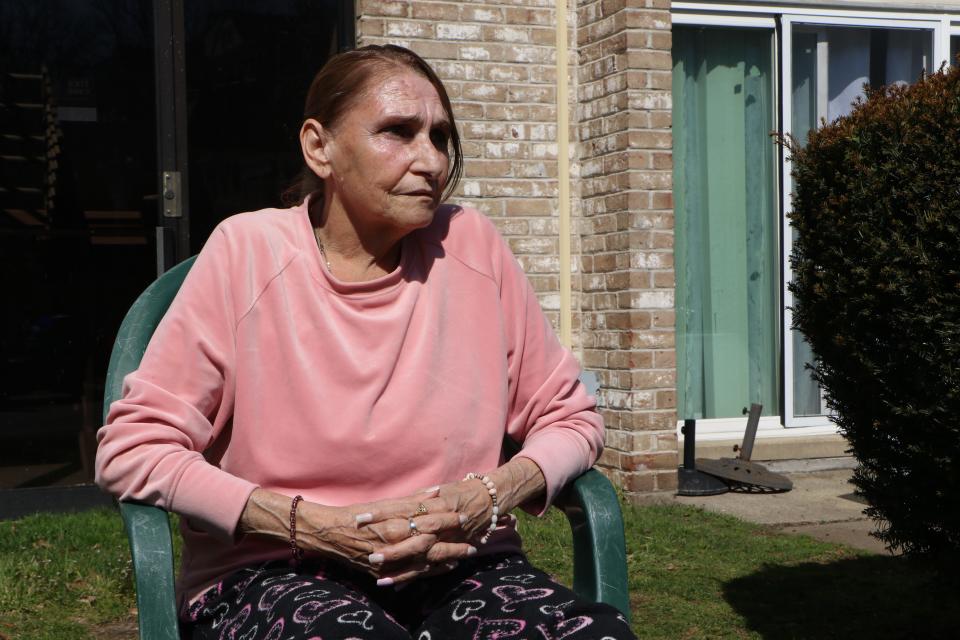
<point>864,597</point>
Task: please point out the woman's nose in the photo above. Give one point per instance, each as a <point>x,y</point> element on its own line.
<point>429,159</point>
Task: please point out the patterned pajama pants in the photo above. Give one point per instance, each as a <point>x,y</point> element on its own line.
<point>488,598</point>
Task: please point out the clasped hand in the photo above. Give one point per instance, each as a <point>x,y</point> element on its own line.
<point>377,537</point>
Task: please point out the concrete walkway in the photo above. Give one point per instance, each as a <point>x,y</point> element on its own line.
<point>821,505</point>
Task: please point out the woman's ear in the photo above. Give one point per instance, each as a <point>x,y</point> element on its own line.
<point>314,140</point>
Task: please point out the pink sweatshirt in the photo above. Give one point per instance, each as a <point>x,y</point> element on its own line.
<point>268,372</point>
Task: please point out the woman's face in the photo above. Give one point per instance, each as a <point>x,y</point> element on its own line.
<point>387,157</point>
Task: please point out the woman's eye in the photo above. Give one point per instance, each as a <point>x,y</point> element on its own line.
<point>398,130</point>
<point>440,140</point>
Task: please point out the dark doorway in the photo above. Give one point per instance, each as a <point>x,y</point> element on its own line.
<point>84,142</point>
<point>77,199</point>
<point>248,68</point>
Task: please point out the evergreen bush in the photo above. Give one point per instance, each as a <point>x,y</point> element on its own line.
<point>876,281</point>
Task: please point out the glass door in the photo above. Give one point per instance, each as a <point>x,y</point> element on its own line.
<point>78,207</point>
<point>726,221</point>
<point>827,64</point>
<point>248,67</point>
<point>128,129</point>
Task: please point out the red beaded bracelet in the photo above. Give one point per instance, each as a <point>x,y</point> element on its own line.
<point>296,551</point>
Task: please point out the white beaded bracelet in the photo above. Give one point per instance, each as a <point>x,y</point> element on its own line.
<point>492,490</point>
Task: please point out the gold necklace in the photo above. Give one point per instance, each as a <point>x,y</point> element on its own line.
<point>323,252</point>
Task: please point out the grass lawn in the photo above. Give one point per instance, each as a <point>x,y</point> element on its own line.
<point>692,575</point>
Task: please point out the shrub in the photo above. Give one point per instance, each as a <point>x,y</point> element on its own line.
<point>876,264</point>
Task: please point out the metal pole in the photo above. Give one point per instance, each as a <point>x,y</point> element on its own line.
<point>691,482</point>
<point>173,219</point>
<point>689,432</point>
<point>753,421</point>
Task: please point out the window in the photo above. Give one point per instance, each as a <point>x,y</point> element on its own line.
<point>829,67</point>
<point>736,77</point>
<point>726,221</point>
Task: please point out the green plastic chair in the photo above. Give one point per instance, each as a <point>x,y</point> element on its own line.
<point>590,503</point>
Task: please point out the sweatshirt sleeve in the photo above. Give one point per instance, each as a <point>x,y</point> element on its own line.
<point>176,404</point>
<point>550,412</point>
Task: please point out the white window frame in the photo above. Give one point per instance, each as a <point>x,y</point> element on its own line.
<point>943,26</point>
<point>724,20</point>
<point>819,9</point>
<point>952,29</point>
<point>715,429</point>
<point>787,22</point>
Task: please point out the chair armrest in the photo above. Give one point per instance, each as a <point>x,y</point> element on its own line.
<point>599,547</point>
<point>151,545</point>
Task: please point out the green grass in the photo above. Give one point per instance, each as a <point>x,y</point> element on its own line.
<point>61,575</point>
<point>693,574</point>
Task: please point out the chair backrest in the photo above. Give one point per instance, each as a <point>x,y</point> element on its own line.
<point>148,528</point>
<point>138,327</point>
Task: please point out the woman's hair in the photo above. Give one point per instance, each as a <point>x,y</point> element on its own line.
<point>342,81</point>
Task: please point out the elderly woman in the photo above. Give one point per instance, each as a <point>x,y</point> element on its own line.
<point>325,401</point>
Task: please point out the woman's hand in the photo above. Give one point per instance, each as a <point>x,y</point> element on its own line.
<point>516,482</point>
<point>374,538</point>
<point>377,538</point>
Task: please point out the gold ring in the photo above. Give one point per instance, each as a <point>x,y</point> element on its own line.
<point>413,528</point>
<point>421,509</point>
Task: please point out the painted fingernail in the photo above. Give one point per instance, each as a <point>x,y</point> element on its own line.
<point>471,550</point>
<point>432,489</point>
<point>364,518</point>
<point>384,582</point>
<point>463,518</point>
<point>375,558</point>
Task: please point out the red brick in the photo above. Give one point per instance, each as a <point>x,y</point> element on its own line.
<point>393,8</point>
<point>665,358</point>
<point>481,14</point>
<point>436,11</point>
<point>667,481</point>
<point>666,400</point>
<point>648,461</point>
<point>640,482</point>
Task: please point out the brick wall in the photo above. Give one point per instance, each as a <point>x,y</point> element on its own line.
<point>627,234</point>
<point>497,60</point>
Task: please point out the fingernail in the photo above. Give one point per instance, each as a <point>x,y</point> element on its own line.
<point>384,582</point>
<point>432,489</point>
<point>471,550</point>
<point>463,518</point>
<point>375,558</point>
<point>364,518</point>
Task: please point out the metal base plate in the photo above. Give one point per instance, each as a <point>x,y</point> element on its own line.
<point>744,472</point>
<point>691,482</point>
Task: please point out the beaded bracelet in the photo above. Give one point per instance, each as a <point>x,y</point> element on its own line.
<point>492,490</point>
<point>296,551</point>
